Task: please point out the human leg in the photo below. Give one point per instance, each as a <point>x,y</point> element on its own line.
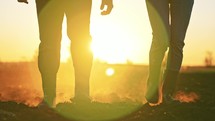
<point>158,11</point>
<point>180,17</point>
<point>78,29</point>
<point>50,16</point>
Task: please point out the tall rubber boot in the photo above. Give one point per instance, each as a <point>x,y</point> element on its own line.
<point>169,84</point>
<point>49,89</point>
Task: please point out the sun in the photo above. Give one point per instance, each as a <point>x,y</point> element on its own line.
<point>111,45</point>
<point>112,42</point>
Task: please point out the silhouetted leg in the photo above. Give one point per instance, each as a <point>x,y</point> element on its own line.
<point>78,20</point>
<point>180,17</point>
<point>158,11</point>
<point>50,16</point>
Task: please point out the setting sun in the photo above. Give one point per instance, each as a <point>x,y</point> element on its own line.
<point>110,43</point>
<point>116,38</point>
<point>109,47</point>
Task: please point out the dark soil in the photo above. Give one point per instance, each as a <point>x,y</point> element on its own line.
<point>203,109</point>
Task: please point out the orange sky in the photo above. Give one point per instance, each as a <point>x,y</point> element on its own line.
<point>128,26</point>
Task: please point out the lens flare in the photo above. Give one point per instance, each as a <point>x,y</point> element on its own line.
<point>110,72</point>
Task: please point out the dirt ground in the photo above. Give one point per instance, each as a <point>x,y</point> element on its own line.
<point>201,108</point>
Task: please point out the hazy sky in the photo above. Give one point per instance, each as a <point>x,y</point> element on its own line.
<point>128,27</point>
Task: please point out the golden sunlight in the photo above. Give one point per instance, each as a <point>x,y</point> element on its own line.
<point>65,44</point>
<point>111,43</point>
<point>65,49</point>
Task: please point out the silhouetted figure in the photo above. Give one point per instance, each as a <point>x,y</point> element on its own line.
<point>50,17</point>
<point>169,21</point>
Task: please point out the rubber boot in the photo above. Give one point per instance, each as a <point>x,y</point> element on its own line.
<point>169,84</point>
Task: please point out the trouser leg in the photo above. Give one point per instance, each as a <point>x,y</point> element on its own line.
<point>78,20</point>
<point>158,11</point>
<point>50,16</point>
<point>180,17</point>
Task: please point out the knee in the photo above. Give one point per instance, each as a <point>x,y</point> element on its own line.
<point>79,35</point>
<point>159,47</point>
<point>177,45</point>
<point>80,40</point>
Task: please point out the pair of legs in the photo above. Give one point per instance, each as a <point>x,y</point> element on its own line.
<point>50,17</point>
<point>169,21</point>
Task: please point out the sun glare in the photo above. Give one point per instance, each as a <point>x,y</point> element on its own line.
<point>65,44</point>
<point>65,53</point>
<point>111,43</point>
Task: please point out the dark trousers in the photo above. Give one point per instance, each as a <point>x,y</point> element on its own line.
<point>169,21</point>
<point>50,17</point>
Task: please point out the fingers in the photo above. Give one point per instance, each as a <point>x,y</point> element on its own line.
<point>102,6</point>
<point>108,4</point>
<point>108,11</point>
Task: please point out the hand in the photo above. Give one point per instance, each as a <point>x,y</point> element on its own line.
<point>109,4</point>
<point>23,1</point>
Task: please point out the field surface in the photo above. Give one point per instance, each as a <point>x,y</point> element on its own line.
<point>195,90</point>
